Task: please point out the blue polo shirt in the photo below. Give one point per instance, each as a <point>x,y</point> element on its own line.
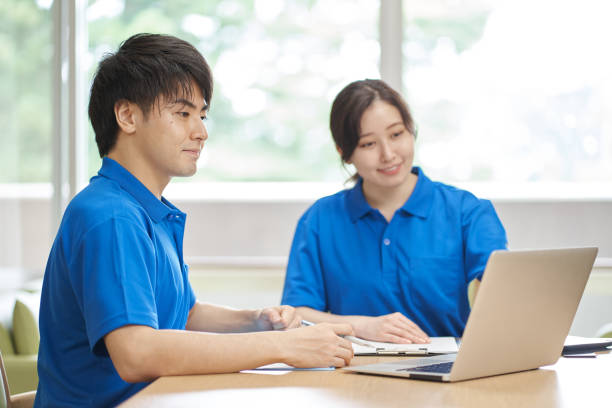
<point>117,260</point>
<point>348,260</point>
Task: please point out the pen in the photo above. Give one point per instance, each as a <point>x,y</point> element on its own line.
<point>352,339</point>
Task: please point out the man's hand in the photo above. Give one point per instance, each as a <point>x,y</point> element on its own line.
<point>318,346</point>
<point>391,328</point>
<point>277,318</point>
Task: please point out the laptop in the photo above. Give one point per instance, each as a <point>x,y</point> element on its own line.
<point>521,316</point>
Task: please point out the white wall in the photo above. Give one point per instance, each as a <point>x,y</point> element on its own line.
<point>249,235</point>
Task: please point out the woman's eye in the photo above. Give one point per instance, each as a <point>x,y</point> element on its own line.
<point>366,145</point>
<point>397,134</point>
<point>184,114</point>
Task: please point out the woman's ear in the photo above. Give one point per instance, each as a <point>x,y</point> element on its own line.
<point>125,112</point>
<point>339,150</point>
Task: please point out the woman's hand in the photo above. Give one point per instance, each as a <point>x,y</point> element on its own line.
<point>277,318</point>
<point>391,328</point>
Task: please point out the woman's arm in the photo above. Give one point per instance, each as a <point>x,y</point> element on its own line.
<point>392,328</point>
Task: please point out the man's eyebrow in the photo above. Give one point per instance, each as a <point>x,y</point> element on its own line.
<point>186,102</point>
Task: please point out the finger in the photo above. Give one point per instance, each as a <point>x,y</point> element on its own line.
<point>409,332</point>
<point>401,326</point>
<point>405,337</point>
<point>348,355</point>
<point>409,324</point>
<point>274,317</point>
<point>392,338</point>
<point>296,322</point>
<point>287,314</point>
<point>346,344</point>
<point>345,354</point>
<point>339,362</point>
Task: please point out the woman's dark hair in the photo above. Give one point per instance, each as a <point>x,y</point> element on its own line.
<point>145,68</point>
<point>351,103</point>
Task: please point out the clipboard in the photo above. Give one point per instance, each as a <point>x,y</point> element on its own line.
<point>575,345</point>
<point>438,345</point>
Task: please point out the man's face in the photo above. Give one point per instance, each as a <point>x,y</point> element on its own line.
<point>173,135</point>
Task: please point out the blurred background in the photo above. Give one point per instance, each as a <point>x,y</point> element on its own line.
<point>513,100</point>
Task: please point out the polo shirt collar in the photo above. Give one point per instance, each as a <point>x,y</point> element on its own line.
<point>419,203</point>
<point>356,202</point>
<point>156,209</point>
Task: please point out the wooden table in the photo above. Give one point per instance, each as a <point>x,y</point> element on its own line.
<point>572,382</point>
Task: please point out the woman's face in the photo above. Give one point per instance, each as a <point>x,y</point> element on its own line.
<point>385,151</point>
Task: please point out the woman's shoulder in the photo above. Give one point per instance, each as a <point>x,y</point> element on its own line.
<point>330,205</point>
<point>458,197</point>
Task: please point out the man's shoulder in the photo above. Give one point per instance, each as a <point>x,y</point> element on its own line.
<point>100,201</point>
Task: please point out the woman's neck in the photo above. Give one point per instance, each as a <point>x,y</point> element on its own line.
<point>389,200</point>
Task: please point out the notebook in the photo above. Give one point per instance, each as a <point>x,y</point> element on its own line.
<point>438,345</point>
<point>521,316</point>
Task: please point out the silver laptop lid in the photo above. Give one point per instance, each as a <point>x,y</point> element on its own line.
<point>523,311</point>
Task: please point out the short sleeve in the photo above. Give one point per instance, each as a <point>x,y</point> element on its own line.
<point>304,285</point>
<point>112,273</point>
<point>483,233</point>
<point>190,292</point>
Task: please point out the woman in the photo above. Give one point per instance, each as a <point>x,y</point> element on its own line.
<point>392,256</point>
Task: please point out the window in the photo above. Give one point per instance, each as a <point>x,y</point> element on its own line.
<point>277,66</point>
<point>25,91</point>
<point>510,91</point>
<point>26,29</point>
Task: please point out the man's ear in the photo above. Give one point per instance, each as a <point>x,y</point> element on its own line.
<point>125,114</point>
<point>339,150</point>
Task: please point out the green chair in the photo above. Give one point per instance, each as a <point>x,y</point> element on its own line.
<point>19,339</point>
<point>22,400</point>
<point>472,290</point>
<point>605,331</point>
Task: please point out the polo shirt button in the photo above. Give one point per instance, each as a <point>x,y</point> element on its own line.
<point>387,241</point>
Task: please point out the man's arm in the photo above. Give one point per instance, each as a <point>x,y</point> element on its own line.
<point>220,319</point>
<point>392,328</point>
<point>141,353</point>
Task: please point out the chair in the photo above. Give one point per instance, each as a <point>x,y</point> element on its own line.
<point>472,290</point>
<point>23,400</point>
<point>605,331</point>
<point>19,339</point>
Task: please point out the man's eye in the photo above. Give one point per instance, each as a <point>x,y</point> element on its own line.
<point>184,114</point>
<point>203,118</point>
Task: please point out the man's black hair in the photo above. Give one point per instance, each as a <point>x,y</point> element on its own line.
<point>145,69</point>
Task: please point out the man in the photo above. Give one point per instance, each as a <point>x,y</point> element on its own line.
<point>117,309</point>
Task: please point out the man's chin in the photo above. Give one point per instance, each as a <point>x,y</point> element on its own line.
<point>186,172</point>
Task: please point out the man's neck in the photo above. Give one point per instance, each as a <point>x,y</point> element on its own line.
<point>139,169</point>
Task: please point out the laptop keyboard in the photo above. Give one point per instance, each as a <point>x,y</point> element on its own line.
<point>442,368</point>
